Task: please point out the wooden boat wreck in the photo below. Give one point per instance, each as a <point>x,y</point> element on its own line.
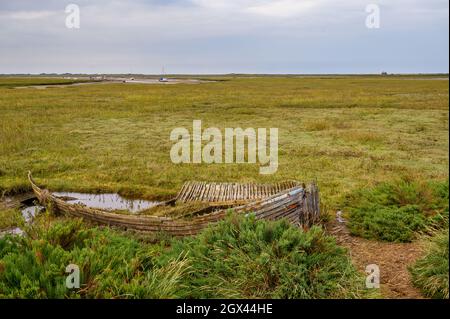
<point>289,200</point>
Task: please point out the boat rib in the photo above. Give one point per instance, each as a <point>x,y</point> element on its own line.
<point>297,204</point>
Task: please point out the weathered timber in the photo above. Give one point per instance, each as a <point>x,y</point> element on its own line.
<point>291,201</point>
<point>229,192</point>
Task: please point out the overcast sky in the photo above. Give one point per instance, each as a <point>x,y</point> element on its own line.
<point>224,36</point>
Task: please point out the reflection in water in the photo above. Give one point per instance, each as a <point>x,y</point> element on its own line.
<point>14,231</point>
<point>31,211</point>
<point>101,201</point>
<point>107,201</point>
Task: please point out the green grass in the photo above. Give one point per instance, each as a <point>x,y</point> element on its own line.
<point>9,218</point>
<point>111,265</point>
<point>430,273</point>
<point>346,132</point>
<point>241,258</point>
<point>236,258</point>
<point>398,211</point>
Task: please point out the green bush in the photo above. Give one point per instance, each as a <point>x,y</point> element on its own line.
<point>111,265</point>
<point>239,257</point>
<point>398,211</point>
<point>388,223</point>
<point>430,273</point>
<point>244,258</point>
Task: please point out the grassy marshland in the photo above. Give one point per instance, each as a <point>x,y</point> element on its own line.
<point>377,146</point>
<point>346,132</point>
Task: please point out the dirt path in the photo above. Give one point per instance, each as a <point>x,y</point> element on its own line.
<point>393,260</point>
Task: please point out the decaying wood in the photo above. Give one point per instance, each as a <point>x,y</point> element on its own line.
<point>230,192</point>
<point>292,201</point>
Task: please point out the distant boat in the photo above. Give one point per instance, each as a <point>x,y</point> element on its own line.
<point>163,78</point>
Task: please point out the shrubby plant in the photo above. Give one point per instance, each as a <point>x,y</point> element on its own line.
<point>238,257</point>
<point>430,273</point>
<point>398,211</point>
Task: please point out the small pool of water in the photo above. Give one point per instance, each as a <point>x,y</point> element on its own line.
<point>30,211</point>
<point>13,232</point>
<point>107,201</point>
<point>29,207</point>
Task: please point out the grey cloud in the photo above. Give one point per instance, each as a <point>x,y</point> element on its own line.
<point>192,36</point>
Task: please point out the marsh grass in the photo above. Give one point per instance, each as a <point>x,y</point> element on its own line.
<point>346,132</point>
<point>400,210</point>
<point>111,265</point>
<point>430,273</point>
<point>9,218</point>
<point>239,257</point>
<point>244,258</point>
<point>350,133</point>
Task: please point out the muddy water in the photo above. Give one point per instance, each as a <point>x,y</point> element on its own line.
<point>107,201</point>
<point>14,232</point>
<point>111,201</point>
<point>29,212</point>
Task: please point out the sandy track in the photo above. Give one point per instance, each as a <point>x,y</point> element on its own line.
<point>393,260</point>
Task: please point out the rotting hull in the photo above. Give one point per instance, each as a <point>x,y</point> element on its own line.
<point>298,205</point>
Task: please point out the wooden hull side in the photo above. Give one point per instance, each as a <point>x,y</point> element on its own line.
<point>298,205</point>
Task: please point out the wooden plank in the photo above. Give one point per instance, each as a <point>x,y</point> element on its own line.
<point>190,190</point>
<point>289,203</point>
<point>180,193</point>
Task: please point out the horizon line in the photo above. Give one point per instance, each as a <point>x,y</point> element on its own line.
<point>232,73</point>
